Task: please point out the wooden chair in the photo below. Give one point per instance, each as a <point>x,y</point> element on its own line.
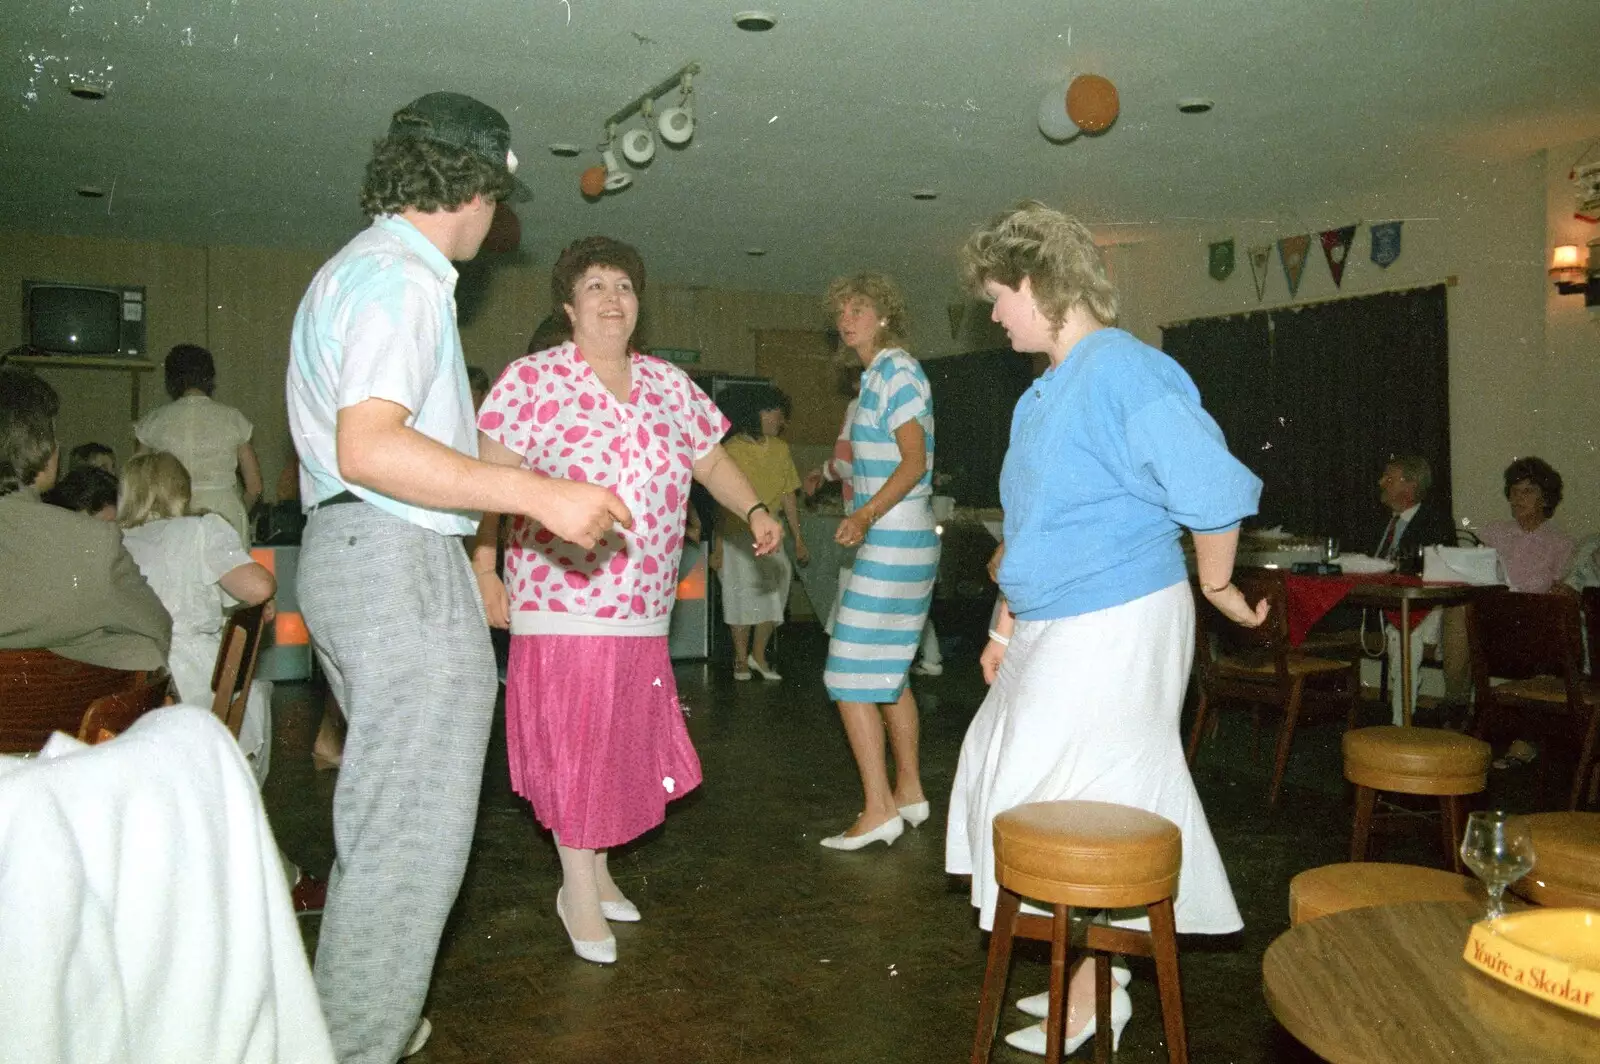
<point>42,692</point>
<point>1533,642</point>
<point>236,665</point>
<point>1257,666</point>
<point>1591,623</point>
<point>110,715</point>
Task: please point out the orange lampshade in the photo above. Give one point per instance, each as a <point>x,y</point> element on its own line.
<point>1566,257</point>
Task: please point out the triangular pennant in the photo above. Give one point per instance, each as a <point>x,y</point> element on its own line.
<point>957,313</point>
<point>1221,260</point>
<point>1336,248</point>
<point>1292,253</point>
<point>1259,256</point>
<point>1386,243</point>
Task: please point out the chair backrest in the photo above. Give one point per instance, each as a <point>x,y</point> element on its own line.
<point>1591,624</point>
<point>236,665</point>
<point>110,715</point>
<point>42,692</point>
<point>1220,637</point>
<point>1515,635</point>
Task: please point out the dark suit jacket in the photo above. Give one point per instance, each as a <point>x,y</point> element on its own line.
<point>67,584</point>
<point>1429,528</point>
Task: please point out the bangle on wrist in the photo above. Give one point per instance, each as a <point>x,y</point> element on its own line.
<point>752,511</point>
<point>1208,589</point>
<point>1003,640</point>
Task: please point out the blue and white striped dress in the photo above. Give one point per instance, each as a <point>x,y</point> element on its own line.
<point>885,601</point>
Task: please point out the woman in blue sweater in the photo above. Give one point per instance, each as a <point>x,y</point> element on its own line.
<point>1111,457</point>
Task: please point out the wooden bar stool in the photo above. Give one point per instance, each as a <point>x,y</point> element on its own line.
<point>1319,892</point>
<point>1092,855</point>
<point>1428,761</point>
<point>1566,861</point>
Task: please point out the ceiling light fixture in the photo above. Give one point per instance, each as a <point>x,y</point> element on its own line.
<point>565,151</point>
<point>676,124</point>
<point>639,145</point>
<point>1568,271</point>
<point>1194,105</point>
<point>617,178</point>
<point>755,21</point>
<point>924,194</point>
<point>87,90</point>
<point>91,191</point>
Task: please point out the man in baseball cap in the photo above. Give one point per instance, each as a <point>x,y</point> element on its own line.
<point>382,420</point>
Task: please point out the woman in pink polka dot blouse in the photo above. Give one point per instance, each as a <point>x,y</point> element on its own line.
<point>596,739</point>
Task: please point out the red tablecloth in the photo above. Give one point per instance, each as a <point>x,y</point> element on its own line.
<point>1311,597</point>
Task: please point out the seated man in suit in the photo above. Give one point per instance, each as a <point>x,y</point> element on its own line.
<point>1414,522</point>
<point>66,582</point>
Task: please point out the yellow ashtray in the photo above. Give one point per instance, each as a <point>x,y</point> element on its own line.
<point>1553,954</point>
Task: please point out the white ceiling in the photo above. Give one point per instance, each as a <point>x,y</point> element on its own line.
<point>248,121</point>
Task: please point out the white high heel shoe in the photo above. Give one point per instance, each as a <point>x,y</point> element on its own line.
<point>1038,1005</point>
<point>1031,1039</point>
<point>596,951</point>
<point>625,912</point>
<point>915,813</point>
<point>885,833</point>
<point>766,672</point>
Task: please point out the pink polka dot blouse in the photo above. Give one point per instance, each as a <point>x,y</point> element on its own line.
<point>550,408</point>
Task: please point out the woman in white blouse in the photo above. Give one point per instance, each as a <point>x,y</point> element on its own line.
<point>211,439</point>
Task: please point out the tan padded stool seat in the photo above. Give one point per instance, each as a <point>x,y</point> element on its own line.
<point>1415,760</point>
<point>1319,892</point>
<point>1087,854</point>
<point>1566,861</point>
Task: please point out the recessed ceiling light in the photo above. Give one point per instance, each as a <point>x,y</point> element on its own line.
<point>91,191</point>
<point>1194,105</point>
<point>924,194</point>
<point>755,21</point>
<point>566,151</point>
<point>87,90</point>
<point>755,253</point>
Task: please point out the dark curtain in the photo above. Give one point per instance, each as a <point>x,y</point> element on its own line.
<point>1316,399</point>
<point>973,398</point>
<point>1231,362</point>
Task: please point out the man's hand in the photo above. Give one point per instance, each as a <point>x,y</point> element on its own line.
<point>577,512</point>
<point>496,606</point>
<point>766,530</point>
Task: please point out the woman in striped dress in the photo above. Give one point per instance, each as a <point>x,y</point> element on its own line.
<point>885,601</point>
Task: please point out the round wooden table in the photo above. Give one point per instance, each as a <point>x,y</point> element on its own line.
<point>1388,985</point>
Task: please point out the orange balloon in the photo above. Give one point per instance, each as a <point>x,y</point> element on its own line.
<point>1092,103</point>
<point>593,181</point>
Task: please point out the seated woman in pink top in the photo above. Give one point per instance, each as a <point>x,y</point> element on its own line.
<point>594,734</point>
<point>1535,552</point>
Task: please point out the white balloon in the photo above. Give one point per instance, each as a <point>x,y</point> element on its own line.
<point>1054,122</point>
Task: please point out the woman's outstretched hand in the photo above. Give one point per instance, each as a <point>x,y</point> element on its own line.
<point>1231,603</point>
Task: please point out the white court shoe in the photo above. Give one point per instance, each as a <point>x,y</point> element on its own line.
<point>596,951</point>
<point>625,912</point>
<point>885,833</point>
<point>915,813</point>
<point>1038,1005</point>
<point>1031,1039</point>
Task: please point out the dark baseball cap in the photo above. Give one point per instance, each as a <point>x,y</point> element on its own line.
<point>462,122</point>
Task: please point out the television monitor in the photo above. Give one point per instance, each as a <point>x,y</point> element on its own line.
<point>90,321</point>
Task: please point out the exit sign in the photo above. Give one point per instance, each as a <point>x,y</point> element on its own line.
<point>683,356</point>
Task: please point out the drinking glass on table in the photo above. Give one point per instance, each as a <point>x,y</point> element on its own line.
<point>1499,850</point>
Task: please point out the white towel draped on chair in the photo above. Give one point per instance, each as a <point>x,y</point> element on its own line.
<point>143,915</point>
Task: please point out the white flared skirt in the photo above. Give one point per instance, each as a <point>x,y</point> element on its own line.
<point>1086,709</point>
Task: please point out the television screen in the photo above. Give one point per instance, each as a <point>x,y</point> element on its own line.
<point>75,319</point>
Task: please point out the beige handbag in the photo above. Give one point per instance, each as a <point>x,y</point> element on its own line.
<point>1463,565</point>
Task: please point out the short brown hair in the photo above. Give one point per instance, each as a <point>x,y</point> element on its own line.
<point>1054,251</point>
<point>578,257</point>
<point>1540,474</point>
<point>428,176</point>
<point>155,486</point>
<point>884,295</point>
<point>28,408</point>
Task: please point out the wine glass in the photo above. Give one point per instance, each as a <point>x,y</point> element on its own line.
<point>1499,850</point>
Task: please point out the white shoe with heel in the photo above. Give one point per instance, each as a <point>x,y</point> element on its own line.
<point>596,951</point>
<point>1031,1039</point>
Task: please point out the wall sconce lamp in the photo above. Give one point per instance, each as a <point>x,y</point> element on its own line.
<point>1567,270</point>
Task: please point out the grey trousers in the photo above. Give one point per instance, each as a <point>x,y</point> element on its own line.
<point>397,622</point>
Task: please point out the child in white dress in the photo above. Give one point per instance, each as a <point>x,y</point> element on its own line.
<point>197,565</point>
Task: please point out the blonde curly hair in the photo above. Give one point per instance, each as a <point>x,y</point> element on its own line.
<point>1056,254</point>
<point>885,297</point>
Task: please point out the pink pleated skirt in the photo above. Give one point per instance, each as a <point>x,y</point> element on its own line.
<point>595,736</point>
